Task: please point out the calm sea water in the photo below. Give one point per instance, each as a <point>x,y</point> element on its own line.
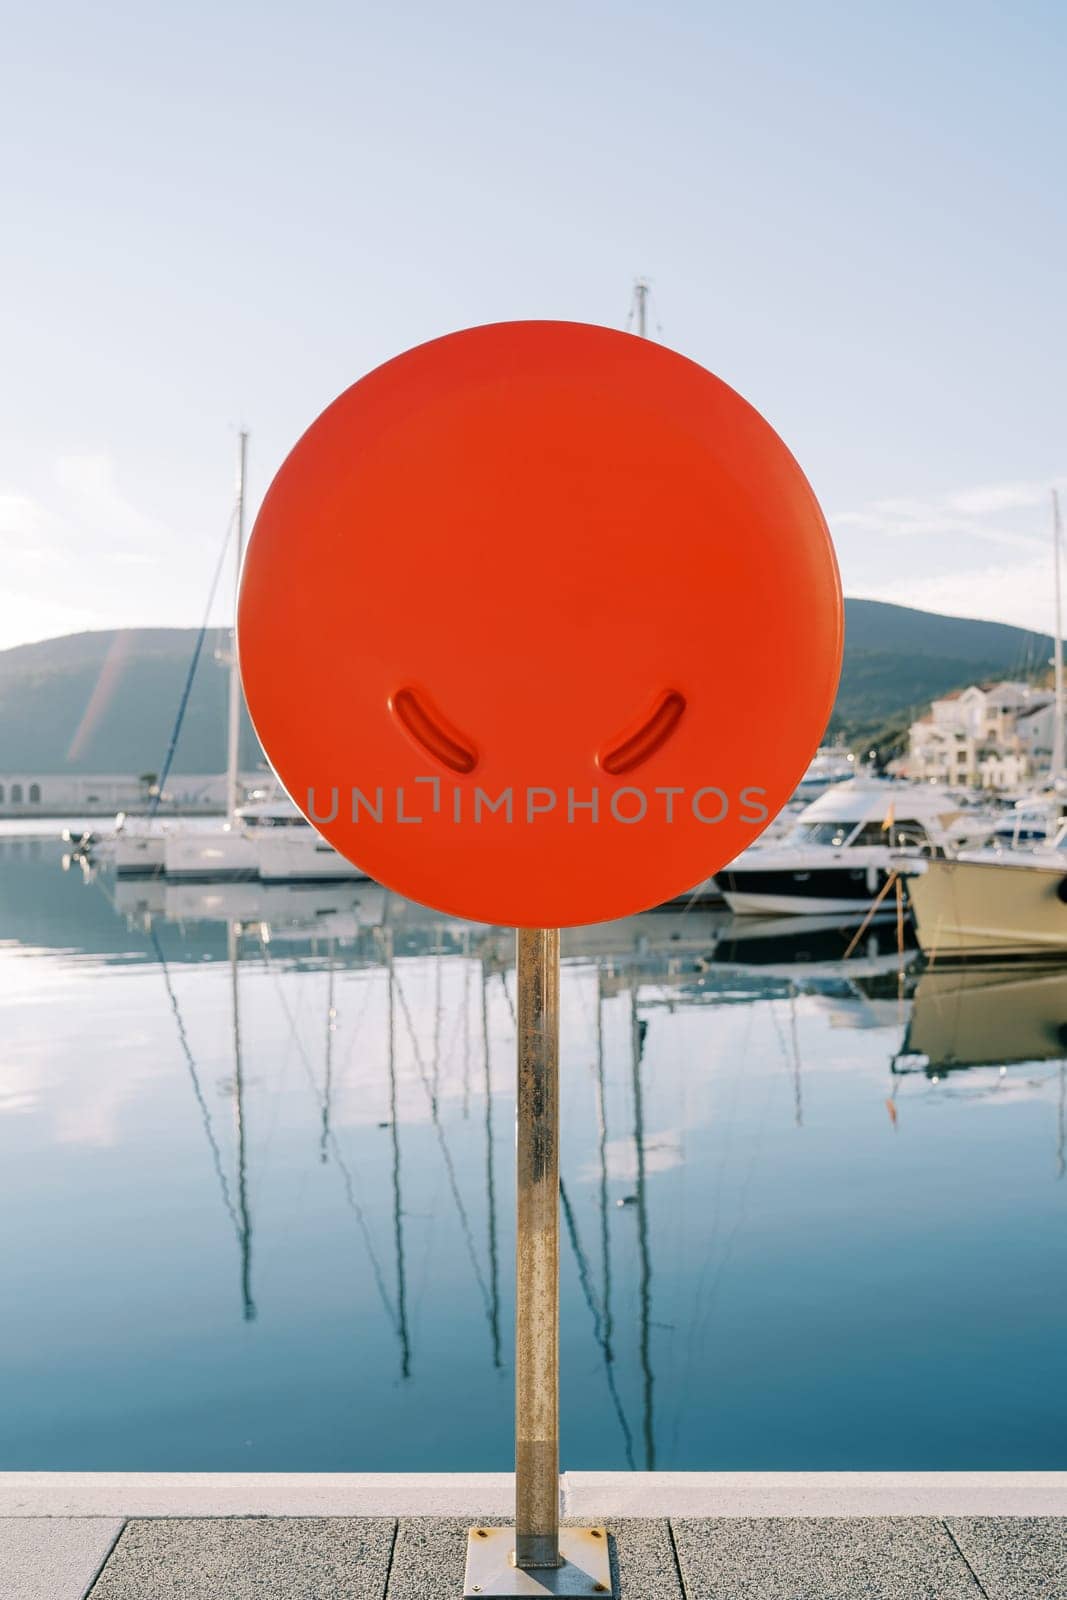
<point>256,1169</point>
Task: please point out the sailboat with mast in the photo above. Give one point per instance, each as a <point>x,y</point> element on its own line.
<point>137,845</point>
<point>266,836</point>
<point>223,850</point>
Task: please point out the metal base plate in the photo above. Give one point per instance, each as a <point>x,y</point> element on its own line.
<point>491,1575</point>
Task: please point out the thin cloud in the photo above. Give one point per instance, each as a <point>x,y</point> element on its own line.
<point>983,551</point>
<point>1019,593</point>
<point>962,512</point>
<point>996,497</point>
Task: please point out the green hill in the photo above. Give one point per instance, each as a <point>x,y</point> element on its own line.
<point>105,702</point>
<point>897,660</point>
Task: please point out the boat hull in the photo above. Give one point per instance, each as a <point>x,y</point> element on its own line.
<point>208,855</point>
<point>770,905</point>
<point>137,855</point>
<point>777,890</point>
<point>291,855</point>
<point>988,908</point>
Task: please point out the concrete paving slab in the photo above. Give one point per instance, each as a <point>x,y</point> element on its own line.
<point>1015,1558</point>
<point>430,1554</point>
<point>820,1558</point>
<point>245,1558</point>
<point>720,1558</point>
<point>643,1566</point>
<point>53,1558</point>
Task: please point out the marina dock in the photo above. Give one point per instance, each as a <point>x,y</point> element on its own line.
<point>674,1536</point>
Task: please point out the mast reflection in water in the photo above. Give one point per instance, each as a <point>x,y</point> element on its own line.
<point>259,1145</point>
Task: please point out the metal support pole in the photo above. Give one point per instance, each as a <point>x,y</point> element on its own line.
<point>532,1558</point>
<point>537,1252</point>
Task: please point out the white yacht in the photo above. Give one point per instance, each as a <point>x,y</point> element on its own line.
<point>1034,819</point>
<point>829,765</point>
<point>992,902</point>
<point>138,846</point>
<point>225,851</point>
<point>133,848</point>
<point>840,851</point>
<point>267,839</point>
<point>288,849</point>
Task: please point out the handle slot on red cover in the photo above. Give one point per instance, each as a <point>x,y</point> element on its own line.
<point>424,723</point>
<point>635,748</point>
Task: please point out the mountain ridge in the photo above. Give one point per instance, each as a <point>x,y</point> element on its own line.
<point>104,701</point>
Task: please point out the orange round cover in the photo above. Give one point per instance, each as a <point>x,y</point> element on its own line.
<point>540,624</point>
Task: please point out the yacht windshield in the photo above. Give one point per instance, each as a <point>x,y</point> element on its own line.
<point>836,834</point>
<point>832,833</point>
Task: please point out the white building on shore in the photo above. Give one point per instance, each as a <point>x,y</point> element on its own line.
<point>59,794</point>
<point>992,736</point>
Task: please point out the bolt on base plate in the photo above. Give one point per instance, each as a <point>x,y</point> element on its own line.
<point>492,1574</point>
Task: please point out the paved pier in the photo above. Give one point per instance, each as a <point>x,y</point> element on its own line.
<point>420,1557</point>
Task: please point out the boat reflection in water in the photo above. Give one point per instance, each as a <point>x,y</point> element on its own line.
<point>993,1017</point>
<point>292,912</point>
<point>984,1016</point>
<point>299,1101</point>
<point>348,911</point>
<point>816,943</point>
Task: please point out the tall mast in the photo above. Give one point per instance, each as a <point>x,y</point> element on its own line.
<point>1057,727</point>
<point>234,731</point>
<point>641,288</point>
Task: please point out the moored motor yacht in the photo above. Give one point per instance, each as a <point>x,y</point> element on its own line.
<point>842,848</point>
<point>225,851</point>
<point>134,853</point>
<point>829,765</point>
<point>267,838</point>
<point>1034,818</point>
<point>132,848</point>
<point>289,849</point>
<point>992,902</point>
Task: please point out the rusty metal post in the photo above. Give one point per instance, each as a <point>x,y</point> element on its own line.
<point>534,1558</point>
<point>537,1252</point>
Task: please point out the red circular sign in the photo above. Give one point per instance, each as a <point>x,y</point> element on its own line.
<point>540,624</point>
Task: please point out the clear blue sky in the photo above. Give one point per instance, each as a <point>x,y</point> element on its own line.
<point>221,214</point>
